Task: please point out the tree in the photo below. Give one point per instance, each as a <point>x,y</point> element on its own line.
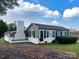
<point>7,4</point>
<point>11,27</point>
<point>3,28</point>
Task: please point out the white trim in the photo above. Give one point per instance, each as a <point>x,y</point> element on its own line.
<point>46,33</point>
<point>64,33</point>
<point>54,34</point>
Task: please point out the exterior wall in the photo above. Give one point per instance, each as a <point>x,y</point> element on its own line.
<point>65,33</point>
<point>62,33</point>
<point>33,40</point>
<point>34,28</point>
<point>8,38</point>
<point>12,39</point>
<point>53,33</point>
<point>58,33</point>
<point>19,41</point>
<point>49,39</point>
<point>49,36</point>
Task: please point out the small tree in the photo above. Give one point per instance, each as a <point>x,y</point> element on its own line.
<point>3,28</point>
<point>4,6</point>
<point>11,27</point>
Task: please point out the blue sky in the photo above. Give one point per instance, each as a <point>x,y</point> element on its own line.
<point>53,12</point>
<point>60,5</point>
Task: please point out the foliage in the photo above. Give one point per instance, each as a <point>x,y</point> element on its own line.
<point>3,28</point>
<point>11,27</point>
<point>66,40</point>
<point>7,4</point>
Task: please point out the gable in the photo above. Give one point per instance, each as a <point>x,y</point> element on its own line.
<point>32,26</point>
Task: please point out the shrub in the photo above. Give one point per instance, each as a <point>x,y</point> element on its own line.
<point>66,40</point>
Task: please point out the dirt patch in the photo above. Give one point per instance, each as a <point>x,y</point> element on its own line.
<point>10,53</point>
<point>23,51</point>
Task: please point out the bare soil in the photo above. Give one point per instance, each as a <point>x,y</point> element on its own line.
<point>30,51</point>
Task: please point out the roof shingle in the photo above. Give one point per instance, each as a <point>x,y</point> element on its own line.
<point>50,27</point>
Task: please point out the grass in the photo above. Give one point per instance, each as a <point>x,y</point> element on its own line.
<point>3,42</point>
<point>73,48</point>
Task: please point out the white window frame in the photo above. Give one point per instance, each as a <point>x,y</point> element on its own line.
<point>64,33</point>
<point>46,33</point>
<point>43,32</point>
<point>54,34</point>
<point>32,33</point>
<point>58,33</point>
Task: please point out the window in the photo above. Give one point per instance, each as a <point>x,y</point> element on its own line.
<point>64,33</point>
<point>33,33</point>
<point>53,33</point>
<point>50,33</point>
<point>44,33</point>
<point>47,34</point>
<point>58,33</point>
<point>29,33</point>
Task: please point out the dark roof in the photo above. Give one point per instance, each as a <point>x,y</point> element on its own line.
<point>50,27</point>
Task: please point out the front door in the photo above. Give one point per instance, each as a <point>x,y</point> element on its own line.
<point>41,36</point>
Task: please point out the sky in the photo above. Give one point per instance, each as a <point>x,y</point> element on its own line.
<point>52,12</point>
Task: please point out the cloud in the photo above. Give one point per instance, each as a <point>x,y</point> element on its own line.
<point>41,9</point>
<point>54,14</point>
<point>71,13</point>
<point>29,12</point>
<point>20,2</point>
<point>55,22</point>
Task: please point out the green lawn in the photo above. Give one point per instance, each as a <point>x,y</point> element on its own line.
<point>72,48</point>
<point>3,42</point>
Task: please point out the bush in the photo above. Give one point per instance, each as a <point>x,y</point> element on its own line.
<point>66,40</point>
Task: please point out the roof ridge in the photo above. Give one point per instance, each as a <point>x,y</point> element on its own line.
<point>47,24</point>
<point>50,26</point>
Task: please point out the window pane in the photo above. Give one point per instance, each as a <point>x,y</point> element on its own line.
<point>29,33</point>
<point>50,33</point>
<point>34,34</point>
<point>45,34</point>
<point>58,33</point>
<point>53,34</point>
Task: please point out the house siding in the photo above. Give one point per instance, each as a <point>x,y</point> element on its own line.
<point>35,28</point>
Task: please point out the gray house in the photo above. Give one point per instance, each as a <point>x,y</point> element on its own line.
<point>35,33</point>
<point>42,31</point>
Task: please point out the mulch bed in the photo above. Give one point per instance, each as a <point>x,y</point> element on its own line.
<point>30,52</point>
